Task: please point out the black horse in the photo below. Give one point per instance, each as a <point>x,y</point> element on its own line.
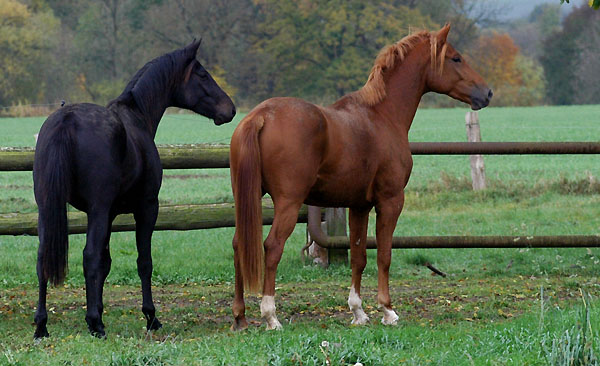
<point>103,161</point>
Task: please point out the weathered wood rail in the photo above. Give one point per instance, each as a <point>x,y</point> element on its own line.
<point>171,156</point>
<point>175,217</point>
<point>217,156</point>
<point>189,217</point>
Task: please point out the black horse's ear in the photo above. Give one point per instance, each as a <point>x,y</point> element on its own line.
<point>192,48</point>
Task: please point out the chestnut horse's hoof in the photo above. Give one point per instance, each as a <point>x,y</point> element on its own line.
<point>239,325</point>
<point>360,320</point>
<point>274,324</point>
<point>389,317</point>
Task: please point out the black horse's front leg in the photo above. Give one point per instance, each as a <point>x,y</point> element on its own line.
<point>145,219</point>
<point>96,266</point>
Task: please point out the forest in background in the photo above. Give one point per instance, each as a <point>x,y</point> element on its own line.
<point>81,50</point>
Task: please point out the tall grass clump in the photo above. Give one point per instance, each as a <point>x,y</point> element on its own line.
<point>575,346</point>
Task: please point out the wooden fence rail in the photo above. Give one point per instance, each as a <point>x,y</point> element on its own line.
<point>175,217</point>
<point>217,156</point>
<point>189,217</point>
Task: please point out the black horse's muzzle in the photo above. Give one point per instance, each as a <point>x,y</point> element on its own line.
<point>224,114</point>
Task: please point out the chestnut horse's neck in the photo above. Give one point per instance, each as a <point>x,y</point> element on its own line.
<point>405,86</point>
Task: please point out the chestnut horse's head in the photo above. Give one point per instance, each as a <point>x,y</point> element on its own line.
<point>451,74</point>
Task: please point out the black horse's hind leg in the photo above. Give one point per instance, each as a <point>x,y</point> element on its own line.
<point>105,264</point>
<point>41,316</point>
<point>96,264</point>
<point>145,218</point>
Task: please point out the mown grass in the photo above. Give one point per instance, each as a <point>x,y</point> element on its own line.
<point>486,312</point>
<point>443,321</point>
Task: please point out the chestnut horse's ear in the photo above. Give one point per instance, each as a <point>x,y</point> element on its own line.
<point>442,34</point>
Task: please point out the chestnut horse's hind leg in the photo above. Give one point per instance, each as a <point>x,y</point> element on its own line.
<point>145,219</point>
<point>358,221</point>
<point>388,212</point>
<point>286,215</point>
<point>239,307</point>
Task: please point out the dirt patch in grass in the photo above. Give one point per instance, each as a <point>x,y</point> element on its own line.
<point>189,309</point>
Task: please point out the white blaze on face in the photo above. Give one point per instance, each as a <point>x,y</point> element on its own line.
<point>355,304</point>
<point>267,310</point>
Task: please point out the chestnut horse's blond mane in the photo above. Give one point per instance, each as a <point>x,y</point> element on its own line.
<point>373,91</point>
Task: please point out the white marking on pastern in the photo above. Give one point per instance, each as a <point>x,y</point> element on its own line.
<point>267,310</point>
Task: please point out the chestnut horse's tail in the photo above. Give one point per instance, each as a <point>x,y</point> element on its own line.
<point>247,191</point>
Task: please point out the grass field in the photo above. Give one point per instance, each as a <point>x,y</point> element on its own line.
<point>486,312</point>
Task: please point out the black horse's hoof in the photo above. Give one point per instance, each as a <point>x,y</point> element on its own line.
<point>96,328</point>
<point>41,333</point>
<point>98,333</point>
<point>153,324</point>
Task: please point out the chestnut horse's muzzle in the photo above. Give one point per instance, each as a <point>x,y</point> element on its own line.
<point>480,97</point>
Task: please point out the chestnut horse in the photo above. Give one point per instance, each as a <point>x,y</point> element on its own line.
<point>354,154</point>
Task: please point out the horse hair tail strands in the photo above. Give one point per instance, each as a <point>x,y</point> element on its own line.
<point>52,175</point>
<point>247,190</point>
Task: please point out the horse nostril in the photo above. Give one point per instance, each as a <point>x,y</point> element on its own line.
<point>490,94</point>
<point>233,111</point>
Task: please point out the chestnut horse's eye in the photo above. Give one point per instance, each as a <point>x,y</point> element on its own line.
<point>456,59</point>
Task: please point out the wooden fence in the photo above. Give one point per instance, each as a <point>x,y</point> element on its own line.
<point>189,217</point>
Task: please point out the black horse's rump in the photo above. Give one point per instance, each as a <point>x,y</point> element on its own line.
<point>103,161</point>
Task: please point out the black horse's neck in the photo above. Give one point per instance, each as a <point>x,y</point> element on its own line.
<point>149,92</point>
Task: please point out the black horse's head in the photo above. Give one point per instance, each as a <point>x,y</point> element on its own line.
<point>199,92</point>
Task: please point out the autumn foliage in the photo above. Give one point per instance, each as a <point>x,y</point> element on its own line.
<point>515,79</point>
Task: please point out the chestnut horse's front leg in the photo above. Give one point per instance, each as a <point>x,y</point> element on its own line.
<point>387,217</point>
<point>359,221</point>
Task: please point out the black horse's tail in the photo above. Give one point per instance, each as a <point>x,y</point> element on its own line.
<point>52,179</point>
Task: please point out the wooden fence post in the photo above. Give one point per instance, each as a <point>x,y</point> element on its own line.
<point>477,166</point>
<point>336,226</point>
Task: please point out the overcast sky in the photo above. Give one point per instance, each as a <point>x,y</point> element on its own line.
<point>522,8</point>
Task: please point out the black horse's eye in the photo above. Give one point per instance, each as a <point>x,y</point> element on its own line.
<point>203,76</point>
<point>456,59</point>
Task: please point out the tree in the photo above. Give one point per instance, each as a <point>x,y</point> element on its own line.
<point>107,48</point>
<point>587,77</point>
<point>224,27</point>
<point>515,79</point>
<point>25,38</point>
<point>561,55</point>
<point>529,33</point>
<point>322,49</point>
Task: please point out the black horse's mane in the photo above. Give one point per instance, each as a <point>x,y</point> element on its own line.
<point>150,82</point>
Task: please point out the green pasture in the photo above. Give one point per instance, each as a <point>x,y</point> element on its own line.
<point>486,312</point>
